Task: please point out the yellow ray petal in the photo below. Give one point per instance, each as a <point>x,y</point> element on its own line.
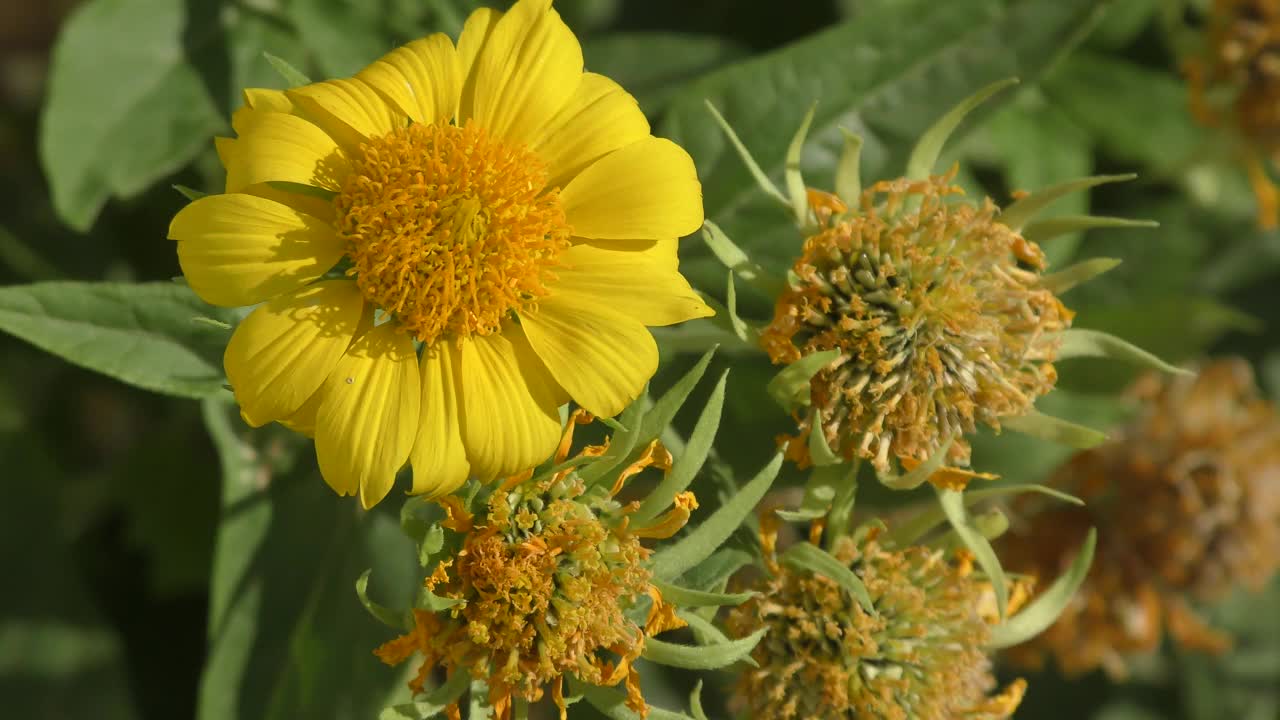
<point>601,357</point>
<point>280,355</point>
<point>648,189</point>
<point>599,118</point>
<point>639,280</point>
<point>526,71</point>
<point>366,422</point>
<point>475,35</point>
<point>286,148</point>
<point>510,404</point>
<point>439,459</point>
<point>242,249</point>
<point>257,103</point>
<point>423,79</point>
<point>349,111</point>
<point>304,420</point>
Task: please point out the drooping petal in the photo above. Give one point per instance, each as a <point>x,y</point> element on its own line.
<point>599,118</point>
<point>423,78</point>
<point>525,73</point>
<point>648,189</point>
<point>286,148</point>
<point>242,249</point>
<point>349,111</point>
<point>639,280</point>
<point>283,351</point>
<point>439,458</point>
<point>509,402</point>
<point>368,418</point>
<point>601,357</point>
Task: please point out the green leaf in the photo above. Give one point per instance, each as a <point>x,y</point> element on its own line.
<point>343,35</point>
<point>665,408</point>
<point>790,387</point>
<point>714,572</point>
<point>744,154</point>
<point>805,556</point>
<point>819,451</point>
<point>1045,609</point>
<point>1041,231</point>
<point>701,657</point>
<point>736,260</point>
<point>433,704</point>
<point>911,530</point>
<point>1021,212</point>
<point>652,66</point>
<point>1046,427</point>
<point>819,492</point>
<point>688,597</point>
<point>922,472</point>
<point>952,503</point>
<point>794,177</point>
<point>620,445</point>
<point>697,545</point>
<point>1079,342</point>
<point>927,149</point>
<point>685,467</point>
<point>399,619</point>
<point>613,704</point>
<point>292,76</point>
<point>849,170</point>
<point>190,193</point>
<point>101,135</point>
<point>695,702</point>
<point>1081,272</point>
<point>141,334</point>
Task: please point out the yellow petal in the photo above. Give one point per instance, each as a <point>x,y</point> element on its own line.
<point>639,280</point>
<point>423,79</point>
<point>286,148</point>
<point>349,111</point>
<point>526,71</point>
<point>439,459</point>
<point>509,402</point>
<point>475,35</point>
<point>304,420</point>
<point>600,118</point>
<point>242,249</point>
<point>648,189</point>
<point>601,357</point>
<point>314,206</point>
<point>369,415</point>
<point>280,355</point>
<point>257,103</point>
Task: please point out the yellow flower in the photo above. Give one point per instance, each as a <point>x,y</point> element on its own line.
<point>446,248</point>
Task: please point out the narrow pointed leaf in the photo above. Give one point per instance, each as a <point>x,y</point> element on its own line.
<point>704,631</point>
<point>1081,272</point>
<point>1079,342</point>
<point>695,702</point>
<point>805,556</point>
<point>849,169</point>
<point>908,532</point>
<point>398,619</point>
<point>665,408</point>
<point>790,387</point>
<point>433,704</point>
<point>920,475</point>
<point>819,451</point>
<point>762,179</point>
<point>701,657</point>
<point>925,154</point>
<point>713,573</point>
<point>952,503</point>
<point>291,75</point>
<point>740,328</point>
<point>819,493</point>
<point>685,467</point>
<point>688,597</point>
<point>620,446</point>
<point>1046,427</point>
<point>696,546</point>
<point>613,704</point>
<point>1021,212</point>
<point>1041,231</point>
<point>733,257</point>
<point>1045,609</point>
<point>190,193</point>
<point>794,177</point>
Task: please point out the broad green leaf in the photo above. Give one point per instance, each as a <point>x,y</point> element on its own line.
<point>1036,617</point>
<point>790,387</point>
<point>697,545</point>
<point>804,556</point>
<point>653,66</point>
<point>433,704</point>
<point>953,505</point>
<point>687,465</point>
<point>701,657</point>
<point>1079,342</point>
<point>1046,427</point>
<point>1081,272</point>
<point>688,597</point>
<point>920,164</point>
<point>141,334</point>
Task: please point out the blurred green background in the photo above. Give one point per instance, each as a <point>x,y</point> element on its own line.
<point>116,603</point>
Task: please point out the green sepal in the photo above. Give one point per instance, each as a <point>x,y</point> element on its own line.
<point>761,178</point>
<point>1017,215</point>
<point>790,387</point>
<point>909,532</point>
<point>1045,609</point>
<point>1078,342</point>
<point>927,149</point>
<point>695,702</point>
<point>849,169</point>
<point>820,453</point>
<point>1047,427</point>
<point>613,704</point>
<point>1073,275</point>
<point>612,424</point>
<point>737,260</point>
<point>697,545</point>
<point>685,467</point>
<point>432,602</point>
<point>190,193</point>
<point>398,619</point>
<point>688,597</point>
<point>291,75</point>
<point>793,175</point>
<point>990,524</point>
<point>922,472</point>
<point>806,556</point>
<point>953,506</point>
<point>1041,231</point>
<point>702,657</point>
<point>433,704</point>
<point>418,516</point>
<point>819,493</point>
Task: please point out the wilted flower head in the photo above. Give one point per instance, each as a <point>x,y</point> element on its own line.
<point>934,306</point>
<point>920,655</point>
<point>1186,499</point>
<point>542,585</point>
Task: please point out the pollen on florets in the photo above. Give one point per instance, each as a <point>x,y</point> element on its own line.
<point>1187,502</point>
<point>920,656</point>
<point>936,311</point>
<point>449,230</point>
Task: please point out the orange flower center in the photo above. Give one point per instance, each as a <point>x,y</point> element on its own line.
<point>450,230</point>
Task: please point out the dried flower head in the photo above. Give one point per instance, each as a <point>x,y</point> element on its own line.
<point>1237,84</point>
<point>1187,502</point>
<point>542,585</point>
<point>936,311</point>
<point>921,656</point>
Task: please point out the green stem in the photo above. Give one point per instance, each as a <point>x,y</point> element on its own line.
<point>841,513</point>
